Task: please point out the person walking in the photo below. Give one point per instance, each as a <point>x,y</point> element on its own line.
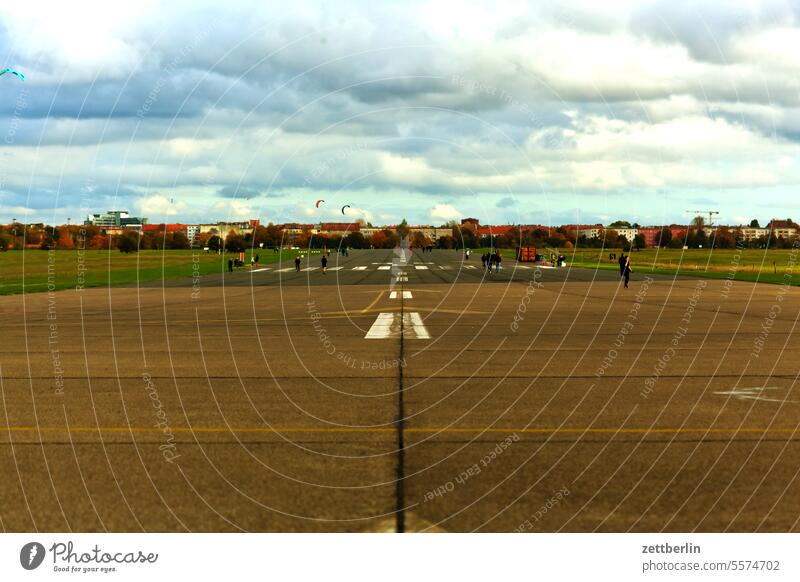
<point>497,260</point>
<point>230,265</point>
<point>256,260</point>
<point>483,261</point>
<point>297,264</point>
<point>622,262</point>
<point>324,264</point>
<point>626,272</point>
<point>466,255</point>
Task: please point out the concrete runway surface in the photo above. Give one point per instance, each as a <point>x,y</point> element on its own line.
<point>413,394</point>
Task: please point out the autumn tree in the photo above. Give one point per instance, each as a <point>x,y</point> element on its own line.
<point>418,239</point>
<point>356,240</point>
<point>234,243</point>
<point>99,241</point>
<point>127,242</point>
<point>214,242</point>
<point>402,229</point>
<point>664,237</point>
<point>64,238</point>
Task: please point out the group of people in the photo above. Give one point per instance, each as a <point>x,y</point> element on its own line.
<point>490,260</point>
<point>427,249</point>
<point>236,263</point>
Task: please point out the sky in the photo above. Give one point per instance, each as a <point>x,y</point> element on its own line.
<point>512,112</point>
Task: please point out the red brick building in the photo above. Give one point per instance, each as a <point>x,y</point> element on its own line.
<point>162,228</point>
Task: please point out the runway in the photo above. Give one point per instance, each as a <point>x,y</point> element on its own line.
<point>426,396</point>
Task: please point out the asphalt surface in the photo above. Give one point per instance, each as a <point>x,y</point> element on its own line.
<point>525,400</point>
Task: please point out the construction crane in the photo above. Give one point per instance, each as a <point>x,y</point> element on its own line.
<point>710,213</point>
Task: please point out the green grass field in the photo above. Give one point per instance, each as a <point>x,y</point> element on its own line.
<point>32,271</point>
<point>756,265</point>
<point>27,271</point>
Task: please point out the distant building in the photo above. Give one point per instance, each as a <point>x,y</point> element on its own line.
<point>782,228</point>
<point>651,235</point>
<point>750,233</point>
<point>498,230</point>
<point>115,221</point>
<point>587,230</point>
<point>338,228</point>
<point>471,223</point>
<point>628,232</point>
<point>223,229</point>
<point>428,231</point>
<point>293,228</point>
<point>368,231</point>
<point>165,228</point>
<point>192,230</point>
<point>678,231</point>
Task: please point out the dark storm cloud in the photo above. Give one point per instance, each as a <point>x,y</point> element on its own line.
<point>240,192</point>
<point>506,202</point>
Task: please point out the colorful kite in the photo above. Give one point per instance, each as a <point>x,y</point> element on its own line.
<point>318,201</point>
<point>345,206</point>
<point>13,72</point>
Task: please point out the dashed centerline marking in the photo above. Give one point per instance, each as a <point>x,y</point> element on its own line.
<point>420,267</point>
<point>310,269</point>
<point>406,295</point>
<point>359,268</point>
<point>384,267</point>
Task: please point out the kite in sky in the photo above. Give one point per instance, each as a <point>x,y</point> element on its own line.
<point>345,206</point>
<point>318,201</point>
<point>13,72</point>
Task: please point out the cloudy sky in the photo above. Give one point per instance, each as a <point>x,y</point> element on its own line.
<point>533,112</point>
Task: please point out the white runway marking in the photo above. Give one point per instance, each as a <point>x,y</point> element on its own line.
<point>406,295</point>
<point>756,393</point>
<point>523,267</point>
<point>359,268</point>
<point>335,268</point>
<point>470,267</point>
<point>259,270</point>
<point>310,269</point>
<point>420,267</point>
<point>412,322</point>
<point>384,267</point>
<point>387,325</point>
<point>444,267</point>
<point>286,270</point>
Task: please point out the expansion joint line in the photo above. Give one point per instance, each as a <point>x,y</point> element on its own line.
<point>400,488</point>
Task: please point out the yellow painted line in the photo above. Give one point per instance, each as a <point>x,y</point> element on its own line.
<point>374,303</point>
<point>344,429</point>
